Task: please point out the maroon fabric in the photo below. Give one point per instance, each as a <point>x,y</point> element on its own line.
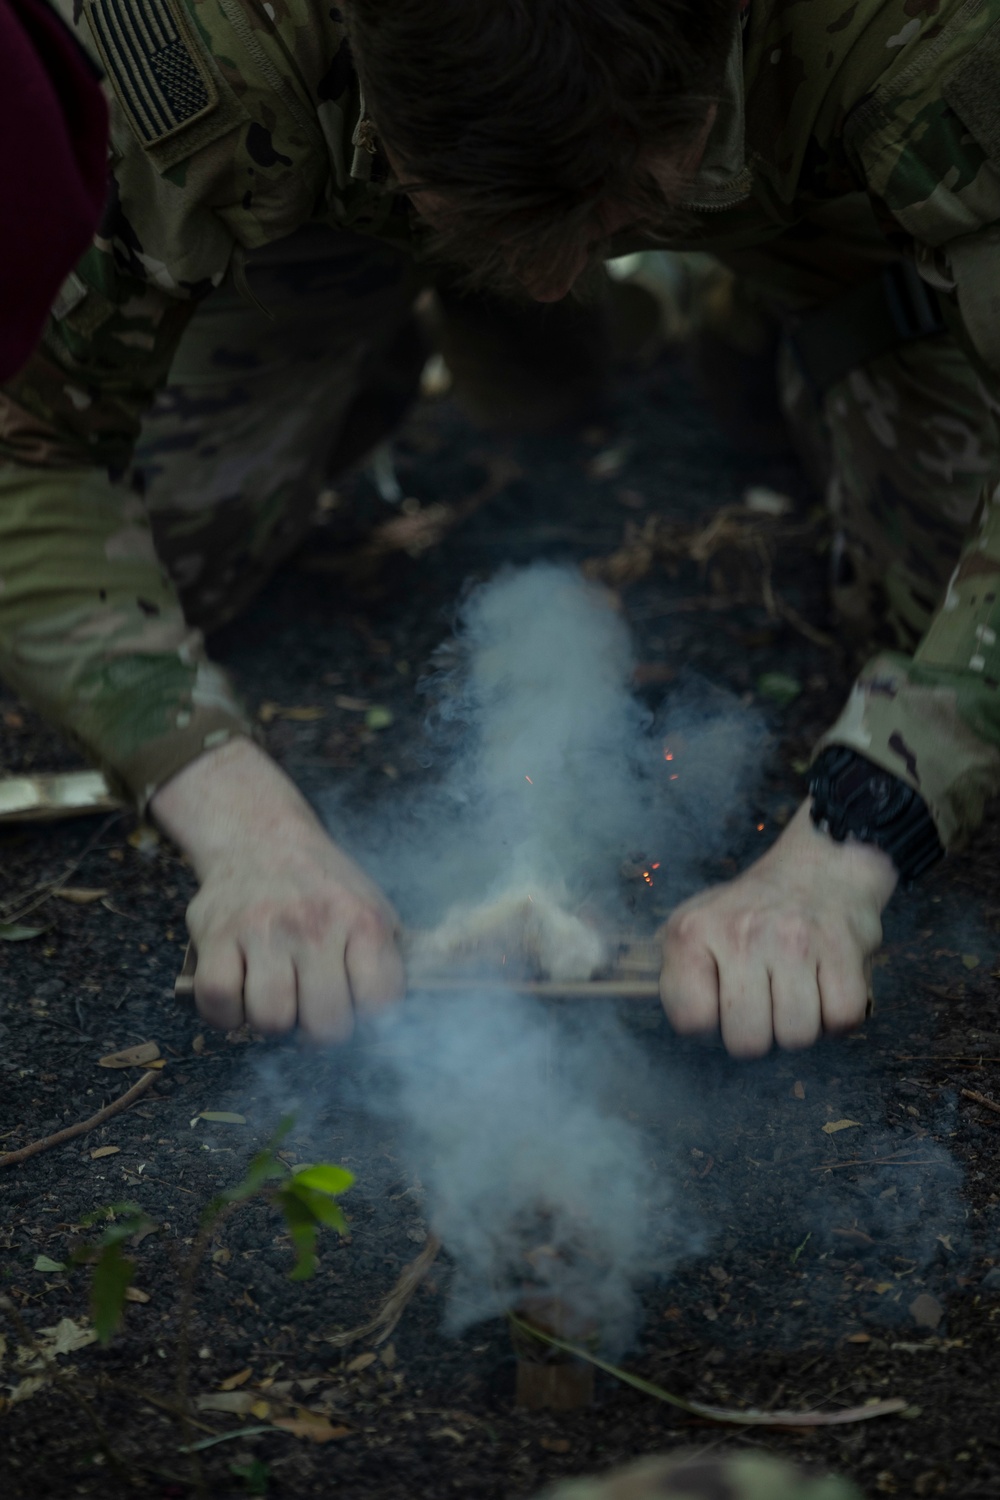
<point>53,168</point>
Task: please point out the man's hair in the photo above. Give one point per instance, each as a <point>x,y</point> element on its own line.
<point>524,115</point>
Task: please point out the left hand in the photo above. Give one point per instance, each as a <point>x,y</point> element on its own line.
<point>782,953</point>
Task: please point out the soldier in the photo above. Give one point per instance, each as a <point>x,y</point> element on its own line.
<point>53,133</point>
<point>283,157</point>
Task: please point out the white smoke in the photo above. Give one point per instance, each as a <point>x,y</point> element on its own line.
<point>513,1116</point>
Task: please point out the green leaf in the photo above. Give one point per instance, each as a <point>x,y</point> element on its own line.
<point>46,1263</point>
<point>378,718</point>
<point>112,1277</point>
<point>325,1178</point>
<point>318,1205</point>
<point>779,687</point>
<point>13,932</point>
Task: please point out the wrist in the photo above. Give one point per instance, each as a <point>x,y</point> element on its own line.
<point>861,867</point>
<point>228,803</point>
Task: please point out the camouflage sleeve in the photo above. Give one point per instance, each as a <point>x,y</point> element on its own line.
<point>928,143</point>
<point>91,629</point>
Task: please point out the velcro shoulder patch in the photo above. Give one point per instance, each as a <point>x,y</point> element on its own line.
<point>163,76</point>
<point>973,92</point>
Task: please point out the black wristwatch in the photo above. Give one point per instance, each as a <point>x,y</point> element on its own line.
<point>851,795</point>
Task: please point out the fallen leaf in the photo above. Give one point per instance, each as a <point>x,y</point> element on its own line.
<point>131,1057</point>
<point>832,1126</point>
<point>448,1432</point>
<point>198,1044</point>
<point>232,1381</point>
<point>378,718</point>
<point>361,1362</point>
<point>926,1311</point>
<point>144,838</point>
<point>858,1338</point>
<point>80,895</point>
<point>104,1151</point>
<point>779,687</point>
<point>970,960</point>
<point>317,1429</point>
<point>26,1388</point>
<point>607,464</point>
<point>46,1263</point>
<point>65,1337</point>
<point>259,1408</point>
<point>353,705</point>
<point>135,1294</point>
<point>798,1089</point>
<point>239,1403</point>
<point>555,1445</point>
<point>767,502</point>
<point>221,1117</point>
<point>12,932</point>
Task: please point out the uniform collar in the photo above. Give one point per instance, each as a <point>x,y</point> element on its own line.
<point>723,175</point>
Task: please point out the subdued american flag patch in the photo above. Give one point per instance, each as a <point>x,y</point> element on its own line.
<point>152,60</point>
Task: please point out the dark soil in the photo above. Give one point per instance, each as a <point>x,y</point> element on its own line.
<point>817,1246</point>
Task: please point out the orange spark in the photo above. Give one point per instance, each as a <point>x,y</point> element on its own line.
<point>760,828</point>
<point>656,866</point>
<point>529,781</point>
<point>675,776</point>
<point>668,755</point>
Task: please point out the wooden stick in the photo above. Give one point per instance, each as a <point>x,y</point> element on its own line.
<point>635,977</point>
<point>978,1098</point>
<point>82,1127</point>
<point>562,989</point>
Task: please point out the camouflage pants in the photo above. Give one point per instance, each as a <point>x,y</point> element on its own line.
<point>264,403</point>
<point>905,442</point>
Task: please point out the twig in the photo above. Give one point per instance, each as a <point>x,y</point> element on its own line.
<point>583,989</point>
<point>978,1098</point>
<point>750,1418</point>
<point>872,1161</point>
<point>392,1309</point>
<point>10,912</point>
<point>82,1127</point>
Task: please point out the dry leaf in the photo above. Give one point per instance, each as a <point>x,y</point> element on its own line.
<point>798,1089</point>
<point>80,895</point>
<point>832,1126</point>
<point>144,838</point>
<point>221,1117</point>
<point>361,1362</point>
<point>104,1151</point>
<point>135,1294</point>
<point>238,1403</point>
<point>970,960</point>
<point>64,1337</point>
<point>858,1338</point>
<point>555,1445</point>
<point>353,705</point>
<point>317,1429</point>
<point>131,1057</point>
<point>198,1044</point>
<point>259,1408</point>
<point>232,1381</point>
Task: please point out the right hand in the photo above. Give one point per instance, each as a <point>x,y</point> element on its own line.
<point>289,931</point>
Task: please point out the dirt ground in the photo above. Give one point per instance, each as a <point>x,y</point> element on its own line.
<point>836,1267</point>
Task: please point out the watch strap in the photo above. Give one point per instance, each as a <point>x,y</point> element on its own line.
<point>851,796</point>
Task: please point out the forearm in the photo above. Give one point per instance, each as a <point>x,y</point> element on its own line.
<point>92,631</point>
<point>205,808</point>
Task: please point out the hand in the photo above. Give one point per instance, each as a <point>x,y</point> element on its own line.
<point>782,953</point>
<point>289,930</point>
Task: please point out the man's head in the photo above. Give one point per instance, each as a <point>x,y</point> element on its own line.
<point>530,130</point>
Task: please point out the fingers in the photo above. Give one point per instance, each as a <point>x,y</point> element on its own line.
<point>843,983</point>
<point>689,977</point>
<point>218,985</point>
<point>270,989</point>
<point>374,965</point>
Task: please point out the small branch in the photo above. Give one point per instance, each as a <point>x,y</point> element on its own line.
<point>978,1098</point>
<point>392,1309</point>
<point>82,1127</point>
<point>582,989</point>
<point>721,1414</point>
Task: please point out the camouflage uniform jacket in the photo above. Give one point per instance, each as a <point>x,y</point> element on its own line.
<point>238,121</point>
